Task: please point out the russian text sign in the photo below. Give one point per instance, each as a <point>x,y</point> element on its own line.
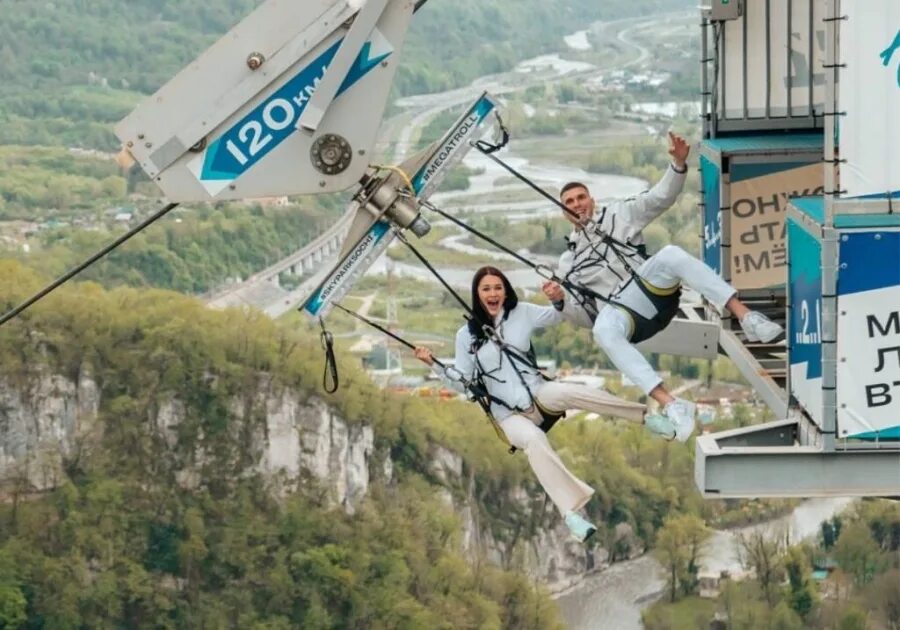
<point>868,335</point>
<point>759,199</point>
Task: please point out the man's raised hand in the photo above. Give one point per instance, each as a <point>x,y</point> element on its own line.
<point>679,149</point>
<point>553,291</point>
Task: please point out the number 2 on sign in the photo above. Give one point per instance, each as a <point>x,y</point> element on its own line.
<point>805,335</point>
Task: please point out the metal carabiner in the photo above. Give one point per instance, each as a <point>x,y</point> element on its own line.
<point>545,272</point>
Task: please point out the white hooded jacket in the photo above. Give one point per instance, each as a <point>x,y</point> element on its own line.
<point>501,378</point>
<point>623,220</point>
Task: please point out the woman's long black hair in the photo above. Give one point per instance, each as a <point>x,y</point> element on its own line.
<point>480,316</point>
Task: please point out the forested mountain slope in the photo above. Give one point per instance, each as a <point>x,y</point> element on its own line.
<point>193,465</point>
<point>70,68</point>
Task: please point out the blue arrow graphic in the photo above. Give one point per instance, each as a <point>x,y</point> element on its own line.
<point>271,122</point>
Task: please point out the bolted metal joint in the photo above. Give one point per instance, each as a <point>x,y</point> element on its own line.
<point>255,60</point>
<point>383,199</point>
<point>331,154</point>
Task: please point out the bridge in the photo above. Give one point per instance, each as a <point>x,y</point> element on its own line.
<point>263,289</point>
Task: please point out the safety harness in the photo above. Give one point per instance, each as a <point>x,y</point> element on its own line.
<point>665,301</point>
<point>512,354</point>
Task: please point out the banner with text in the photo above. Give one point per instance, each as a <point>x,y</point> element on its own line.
<point>710,178</point>
<point>805,320</point>
<point>759,200</point>
<point>868,335</point>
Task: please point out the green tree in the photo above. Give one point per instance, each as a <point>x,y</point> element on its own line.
<point>679,545</point>
<point>852,618</point>
<point>857,553</point>
<point>763,554</point>
<point>13,607</point>
<point>883,595</point>
<point>784,618</point>
<point>802,594</point>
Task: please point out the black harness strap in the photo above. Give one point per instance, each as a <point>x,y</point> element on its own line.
<point>581,293</point>
<point>475,387</point>
<point>605,237</point>
<point>487,147</point>
<point>422,259</point>
<point>622,251</point>
<point>327,340</point>
<point>666,308</point>
<point>491,333</point>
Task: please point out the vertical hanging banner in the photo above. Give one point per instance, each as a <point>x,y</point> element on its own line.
<point>759,199</point>
<point>869,94</point>
<point>805,320</point>
<point>868,340</point>
<point>712,217</point>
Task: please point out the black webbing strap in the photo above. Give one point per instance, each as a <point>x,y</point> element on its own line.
<point>327,340</point>
<point>488,147</point>
<point>475,387</point>
<point>581,293</point>
<point>435,273</point>
<point>608,239</point>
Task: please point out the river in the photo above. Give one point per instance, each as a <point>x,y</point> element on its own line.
<point>615,597</point>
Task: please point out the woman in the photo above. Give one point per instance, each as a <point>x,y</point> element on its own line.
<point>495,346</point>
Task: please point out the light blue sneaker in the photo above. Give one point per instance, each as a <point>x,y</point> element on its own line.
<point>680,413</point>
<point>660,425</point>
<point>580,528</point>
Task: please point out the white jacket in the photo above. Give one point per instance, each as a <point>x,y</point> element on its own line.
<point>502,381</point>
<point>623,220</point>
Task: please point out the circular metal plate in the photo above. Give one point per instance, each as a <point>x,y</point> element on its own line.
<point>331,154</point>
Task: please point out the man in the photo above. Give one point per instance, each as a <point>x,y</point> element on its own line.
<point>644,291</point>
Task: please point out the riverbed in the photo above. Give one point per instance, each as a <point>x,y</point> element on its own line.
<point>615,597</point>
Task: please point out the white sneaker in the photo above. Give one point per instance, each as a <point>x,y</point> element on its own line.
<point>758,327</point>
<point>659,424</point>
<point>581,528</point>
<point>681,413</point>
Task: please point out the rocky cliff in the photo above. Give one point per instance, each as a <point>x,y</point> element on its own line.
<point>292,440</point>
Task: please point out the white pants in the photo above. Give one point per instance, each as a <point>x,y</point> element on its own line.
<point>566,490</point>
<point>666,269</point>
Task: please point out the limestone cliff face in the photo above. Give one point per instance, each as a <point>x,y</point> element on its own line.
<point>538,542</point>
<point>42,424</point>
<point>291,439</point>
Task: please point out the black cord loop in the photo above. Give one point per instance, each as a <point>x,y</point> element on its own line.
<point>331,370</point>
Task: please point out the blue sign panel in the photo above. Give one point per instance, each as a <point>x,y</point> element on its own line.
<point>271,122</point>
<point>868,343</point>
<point>805,319</point>
<point>712,218</point>
<point>452,145</point>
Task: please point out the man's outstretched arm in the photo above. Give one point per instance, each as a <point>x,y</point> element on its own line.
<point>641,210</point>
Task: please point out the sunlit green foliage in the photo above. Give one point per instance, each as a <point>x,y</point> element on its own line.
<point>124,541</point>
<point>780,592</point>
<point>193,251</point>
<point>70,69</point>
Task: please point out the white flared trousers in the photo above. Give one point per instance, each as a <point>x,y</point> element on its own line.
<point>566,490</point>
<point>669,267</point>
